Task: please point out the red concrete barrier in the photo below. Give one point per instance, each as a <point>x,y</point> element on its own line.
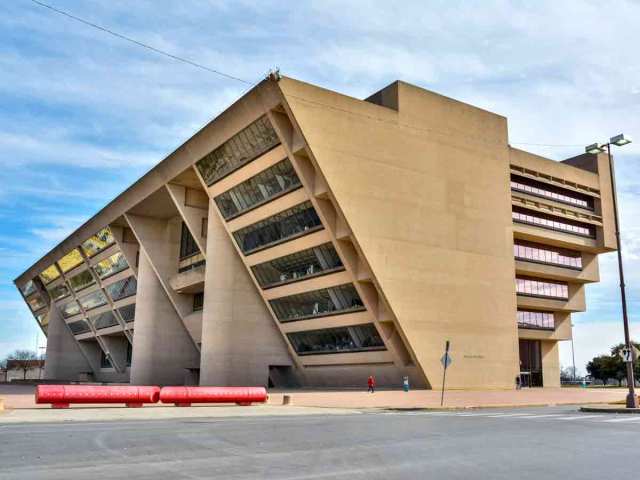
<point>60,396</point>
<point>185,396</point>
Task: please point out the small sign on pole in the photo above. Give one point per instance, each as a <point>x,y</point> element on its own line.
<point>446,360</point>
<point>628,354</point>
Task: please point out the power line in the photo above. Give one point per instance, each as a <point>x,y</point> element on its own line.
<point>140,44</point>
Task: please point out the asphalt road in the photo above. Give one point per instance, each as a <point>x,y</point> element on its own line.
<point>541,443</point>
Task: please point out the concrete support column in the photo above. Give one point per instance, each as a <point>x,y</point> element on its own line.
<point>163,353</point>
<point>239,339</point>
<point>550,364</point>
<point>64,361</point>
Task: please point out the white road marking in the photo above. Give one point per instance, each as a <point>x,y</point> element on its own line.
<point>626,418</point>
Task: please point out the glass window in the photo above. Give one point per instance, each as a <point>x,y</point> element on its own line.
<point>535,252</point>
<point>36,302</point>
<point>541,288</point>
<point>203,227</point>
<point>70,260</point>
<point>93,300</point>
<point>81,280</point>
<point>535,319</point>
<point>266,185</point>
<point>104,320</point>
<point>558,194</point>
<point>297,266</point>
<point>122,288</point>
<point>188,245</point>
<point>198,301</point>
<point>551,222</point>
<point>43,318</point>
<point>70,309</point>
<point>111,265</point>
<point>28,288</point>
<point>281,226</point>
<point>98,242</point>
<point>59,291</point>
<point>128,312</point>
<point>356,338</point>
<point>81,326</point>
<point>327,301</point>
<point>129,354</point>
<point>49,274</point>
<point>105,362</point>
<point>248,144</point>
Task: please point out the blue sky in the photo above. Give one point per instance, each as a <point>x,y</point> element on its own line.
<point>83,114</point>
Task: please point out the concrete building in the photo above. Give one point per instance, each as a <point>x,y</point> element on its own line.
<point>305,237</point>
<point>22,370</point>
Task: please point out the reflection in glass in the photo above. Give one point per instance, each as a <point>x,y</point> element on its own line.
<point>49,274</point>
<point>28,288</point>
<point>266,185</point>
<point>357,338</point>
<point>70,309</point>
<point>70,260</point>
<point>81,280</point>
<point>93,300</point>
<point>59,291</point>
<point>279,227</point>
<point>128,312</point>
<point>78,327</point>
<point>297,266</point>
<point>104,320</point>
<point>43,318</point>
<point>559,194</point>
<point>326,301</point>
<point>541,288</point>
<point>535,319</point>
<point>122,288</point>
<point>536,252</point>
<point>248,144</point>
<point>111,265</point>
<point>98,242</point>
<point>36,302</point>
<point>551,222</point>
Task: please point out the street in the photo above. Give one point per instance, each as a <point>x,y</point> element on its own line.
<point>552,442</point>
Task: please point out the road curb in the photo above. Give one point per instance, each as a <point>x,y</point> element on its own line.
<point>610,409</point>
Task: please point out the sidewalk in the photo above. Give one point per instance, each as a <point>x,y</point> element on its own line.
<point>22,396</point>
<point>452,398</point>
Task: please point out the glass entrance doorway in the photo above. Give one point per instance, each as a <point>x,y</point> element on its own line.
<point>530,363</point>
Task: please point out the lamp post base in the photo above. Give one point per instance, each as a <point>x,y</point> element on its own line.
<point>632,401</point>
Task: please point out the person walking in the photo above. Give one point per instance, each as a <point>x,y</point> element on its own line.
<point>371,384</point>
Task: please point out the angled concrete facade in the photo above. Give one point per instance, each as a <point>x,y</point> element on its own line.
<point>308,238</point>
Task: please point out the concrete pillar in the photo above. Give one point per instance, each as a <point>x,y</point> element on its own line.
<point>163,352</point>
<point>64,360</point>
<point>239,338</point>
<point>550,364</point>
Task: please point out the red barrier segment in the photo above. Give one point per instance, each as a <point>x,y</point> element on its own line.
<point>60,396</point>
<point>185,396</point>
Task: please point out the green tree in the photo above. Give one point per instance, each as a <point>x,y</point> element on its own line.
<point>604,367</point>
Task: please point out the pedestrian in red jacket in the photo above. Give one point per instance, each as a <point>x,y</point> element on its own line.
<point>371,383</point>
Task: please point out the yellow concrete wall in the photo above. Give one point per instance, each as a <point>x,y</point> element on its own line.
<point>550,364</point>
<point>425,192</point>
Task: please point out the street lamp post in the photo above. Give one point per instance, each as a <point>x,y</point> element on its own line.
<point>573,356</point>
<point>619,140</point>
